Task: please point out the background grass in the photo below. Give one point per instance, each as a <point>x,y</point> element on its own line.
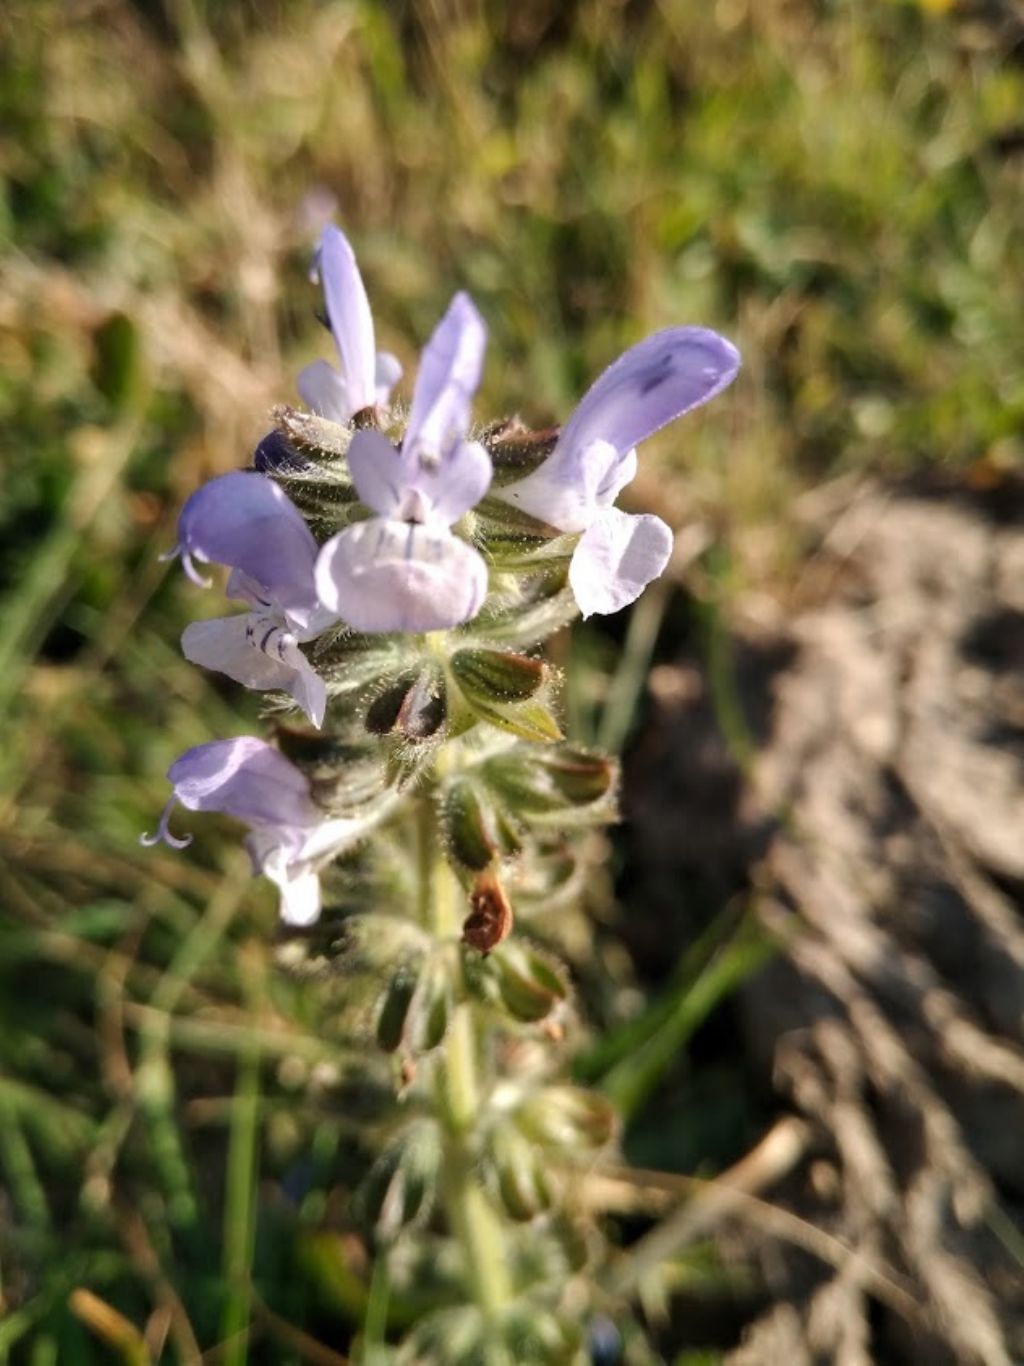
<point>836,185</point>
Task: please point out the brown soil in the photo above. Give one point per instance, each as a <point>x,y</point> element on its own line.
<point>879,828</point>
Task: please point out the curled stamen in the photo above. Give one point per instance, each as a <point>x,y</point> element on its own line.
<point>163,834</point>
<point>186,564</point>
<point>192,572</point>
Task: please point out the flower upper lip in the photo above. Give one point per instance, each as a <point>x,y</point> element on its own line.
<point>574,489</point>
<point>366,377</point>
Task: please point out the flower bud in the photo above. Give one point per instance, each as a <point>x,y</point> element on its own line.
<point>414,705</point>
<point>527,983</point>
<point>423,712</point>
<point>394,1006</point>
<point>476,832</point>
<point>492,676</point>
<point>526,1332</point>
<point>567,1117</point>
<point>538,1335</point>
<point>516,451</point>
<point>382,713</point>
<point>580,777</point>
<point>311,432</point>
<point>275,455</point>
<point>512,539</point>
<point>426,1020</point>
<point>502,687</point>
<point>551,782</point>
<point>469,825</point>
<point>401,1185</point>
<point>520,1179</point>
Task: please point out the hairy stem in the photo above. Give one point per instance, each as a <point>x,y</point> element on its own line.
<point>471,1214</point>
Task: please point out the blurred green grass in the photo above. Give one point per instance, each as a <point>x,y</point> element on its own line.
<point>836,185</point>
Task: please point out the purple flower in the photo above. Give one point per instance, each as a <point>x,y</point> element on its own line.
<point>403,570</point>
<point>653,383</point>
<point>290,837</point>
<point>367,376</point>
<point>246,521</point>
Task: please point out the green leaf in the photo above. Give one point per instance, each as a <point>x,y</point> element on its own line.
<point>647,1047</point>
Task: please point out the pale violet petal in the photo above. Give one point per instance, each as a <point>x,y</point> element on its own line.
<point>275,846</point>
<point>307,625</point>
<point>458,483</point>
<point>297,880</point>
<point>440,494</point>
<point>300,898</point>
<point>569,496</point>
<point>259,652</point>
<point>245,520</point>
<point>617,557</point>
<point>241,587</point>
<point>317,621</point>
<point>448,376</point>
<point>377,470</point>
<point>654,382</point>
<point>616,477</point>
<point>245,778</point>
<point>341,832</point>
<point>309,690</point>
<point>386,375</point>
<point>225,644</point>
<point>386,575</point>
<point>348,311</point>
<point>324,391</point>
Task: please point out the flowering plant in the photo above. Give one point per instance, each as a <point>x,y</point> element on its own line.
<point>400,571</point>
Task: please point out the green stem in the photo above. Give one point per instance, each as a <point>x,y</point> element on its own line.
<point>630,677</point>
<point>375,1320</point>
<point>240,1201</point>
<point>471,1214</point>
